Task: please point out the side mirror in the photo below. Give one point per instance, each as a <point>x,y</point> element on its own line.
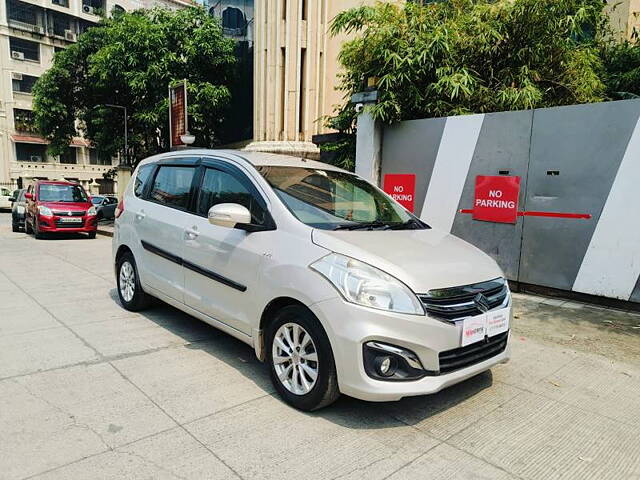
<point>28,196</point>
<point>229,215</point>
<point>12,199</point>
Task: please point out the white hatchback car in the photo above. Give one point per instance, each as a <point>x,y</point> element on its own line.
<point>336,286</point>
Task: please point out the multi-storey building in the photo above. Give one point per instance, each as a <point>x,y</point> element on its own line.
<point>296,72</point>
<point>31,31</point>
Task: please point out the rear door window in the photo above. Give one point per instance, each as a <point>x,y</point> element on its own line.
<point>172,186</point>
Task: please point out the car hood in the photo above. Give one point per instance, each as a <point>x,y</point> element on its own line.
<point>66,205</point>
<point>422,259</point>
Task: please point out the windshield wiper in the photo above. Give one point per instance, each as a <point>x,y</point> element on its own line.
<point>365,226</point>
<point>411,224</point>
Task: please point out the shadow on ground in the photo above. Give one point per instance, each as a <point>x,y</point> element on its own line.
<point>347,412</point>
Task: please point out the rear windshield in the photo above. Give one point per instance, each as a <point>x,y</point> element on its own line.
<point>61,193</point>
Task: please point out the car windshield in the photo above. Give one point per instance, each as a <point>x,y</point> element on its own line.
<point>61,193</point>
<point>96,200</point>
<point>332,200</point>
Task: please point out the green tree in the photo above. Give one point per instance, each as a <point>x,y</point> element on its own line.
<point>459,57</point>
<point>130,60</point>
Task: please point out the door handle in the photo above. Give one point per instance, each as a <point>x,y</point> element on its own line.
<point>140,215</point>
<point>191,233</point>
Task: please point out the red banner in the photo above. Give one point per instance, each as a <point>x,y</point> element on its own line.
<point>178,113</point>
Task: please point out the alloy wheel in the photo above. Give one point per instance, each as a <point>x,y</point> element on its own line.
<point>127,281</point>
<point>295,358</point>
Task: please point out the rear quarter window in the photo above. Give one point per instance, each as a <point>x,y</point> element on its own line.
<point>142,177</point>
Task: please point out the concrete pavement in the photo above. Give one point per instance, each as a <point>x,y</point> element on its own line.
<point>89,390</point>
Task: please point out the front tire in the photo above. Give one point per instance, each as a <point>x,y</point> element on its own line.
<point>92,235</point>
<point>132,296</point>
<point>301,360</point>
<point>15,227</point>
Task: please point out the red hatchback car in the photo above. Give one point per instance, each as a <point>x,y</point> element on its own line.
<point>59,207</point>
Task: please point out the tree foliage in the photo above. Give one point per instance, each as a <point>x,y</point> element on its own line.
<point>458,57</point>
<point>130,60</point>
<point>473,56</point>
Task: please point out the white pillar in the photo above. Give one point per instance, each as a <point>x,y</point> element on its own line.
<point>368,147</point>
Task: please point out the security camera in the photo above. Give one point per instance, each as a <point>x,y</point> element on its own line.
<point>359,107</point>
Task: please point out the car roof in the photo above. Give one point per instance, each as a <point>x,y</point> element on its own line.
<point>257,159</point>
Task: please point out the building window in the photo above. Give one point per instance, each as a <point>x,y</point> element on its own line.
<point>96,159</point>
<point>30,152</point>
<point>28,50</point>
<point>24,121</point>
<point>305,9</point>
<point>69,156</point>
<point>23,83</point>
<point>25,16</point>
<point>60,23</point>
<point>302,114</point>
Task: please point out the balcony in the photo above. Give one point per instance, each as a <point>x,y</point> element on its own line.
<point>25,17</point>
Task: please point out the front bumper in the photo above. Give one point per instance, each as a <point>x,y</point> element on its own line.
<point>54,225</point>
<point>350,326</point>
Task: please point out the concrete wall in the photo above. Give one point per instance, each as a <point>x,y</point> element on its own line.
<point>595,150</point>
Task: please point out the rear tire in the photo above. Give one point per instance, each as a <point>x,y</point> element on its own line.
<point>39,235</point>
<point>132,296</point>
<point>304,373</point>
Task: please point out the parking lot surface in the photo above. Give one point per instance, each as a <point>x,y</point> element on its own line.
<point>89,390</point>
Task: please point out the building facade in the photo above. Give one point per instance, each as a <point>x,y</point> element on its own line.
<point>31,31</point>
<point>625,18</point>
<point>296,73</point>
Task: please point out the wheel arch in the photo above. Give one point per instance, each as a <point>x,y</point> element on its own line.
<point>268,314</point>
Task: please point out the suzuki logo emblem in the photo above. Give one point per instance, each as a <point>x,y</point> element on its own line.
<point>69,214</point>
<point>482,303</point>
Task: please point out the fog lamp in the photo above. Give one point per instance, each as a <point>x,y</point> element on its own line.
<point>386,366</point>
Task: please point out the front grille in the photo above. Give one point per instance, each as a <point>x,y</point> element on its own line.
<point>463,357</point>
<point>60,224</point>
<point>458,302</point>
<point>74,213</point>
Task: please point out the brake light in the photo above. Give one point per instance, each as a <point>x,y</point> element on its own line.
<point>119,208</point>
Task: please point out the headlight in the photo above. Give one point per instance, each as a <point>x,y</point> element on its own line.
<point>45,211</point>
<point>365,285</point>
<point>92,211</point>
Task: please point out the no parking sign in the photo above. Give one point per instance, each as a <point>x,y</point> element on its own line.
<point>496,199</point>
<point>402,188</point>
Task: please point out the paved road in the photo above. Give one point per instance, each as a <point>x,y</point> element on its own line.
<point>88,390</point>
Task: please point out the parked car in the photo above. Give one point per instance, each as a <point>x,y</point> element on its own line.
<point>105,206</point>
<point>336,286</point>
<point>59,207</point>
<point>5,198</point>
<point>18,208</point>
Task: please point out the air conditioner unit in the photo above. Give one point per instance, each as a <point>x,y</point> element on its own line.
<point>16,76</point>
<point>35,158</point>
<point>17,55</point>
<point>69,36</point>
<point>38,29</point>
<point>88,9</point>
